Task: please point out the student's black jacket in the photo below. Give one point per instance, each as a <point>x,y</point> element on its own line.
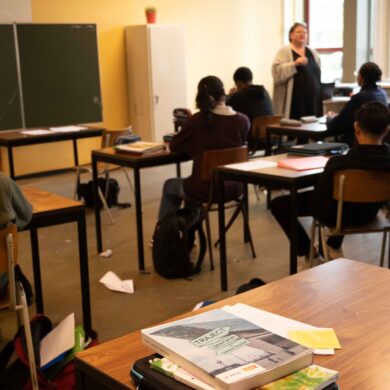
<point>342,124</point>
<point>372,157</point>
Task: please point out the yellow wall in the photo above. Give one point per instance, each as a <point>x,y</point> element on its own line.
<point>220,36</point>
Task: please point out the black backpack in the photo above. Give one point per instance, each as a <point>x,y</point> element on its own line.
<point>172,243</point>
<point>85,191</point>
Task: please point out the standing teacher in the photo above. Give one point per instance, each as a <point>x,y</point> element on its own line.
<point>297,77</point>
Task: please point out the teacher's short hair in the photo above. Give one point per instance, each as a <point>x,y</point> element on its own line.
<point>294,26</point>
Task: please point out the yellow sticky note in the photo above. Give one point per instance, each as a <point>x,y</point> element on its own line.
<point>315,338</point>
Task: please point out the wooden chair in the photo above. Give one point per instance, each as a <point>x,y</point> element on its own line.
<point>361,186</point>
<point>17,298</point>
<point>258,130</point>
<point>108,140</point>
<point>210,160</point>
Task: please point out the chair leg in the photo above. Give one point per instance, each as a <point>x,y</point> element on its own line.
<point>384,239</point>
<point>128,179</point>
<point>29,342</point>
<point>324,246</point>
<point>246,222</point>
<point>230,223</point>
<point>103,200</point>
<point>209,242</point>
<point>256,189</point>
<point>312,241</point>
<point>76,185</point>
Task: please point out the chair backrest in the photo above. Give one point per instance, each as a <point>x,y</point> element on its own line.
<point>11,229</point>
<point>362,186</point>
<point>260,123</point>
<point>180,115</point>
<point>215,158</point>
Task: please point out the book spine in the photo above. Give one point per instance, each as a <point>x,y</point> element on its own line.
<point>179,360</point>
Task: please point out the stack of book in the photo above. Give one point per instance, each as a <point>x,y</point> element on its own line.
<point>140,147</point>
<point>220,349</point>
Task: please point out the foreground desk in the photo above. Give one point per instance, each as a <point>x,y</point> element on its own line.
<point>349,296</point>
<point>12,139</point>
<point>272,178</point>
<point>51,209</point>
<point>313,130</point>
<point>136,162</point>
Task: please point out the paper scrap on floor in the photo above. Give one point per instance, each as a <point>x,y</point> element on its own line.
<point>315,338</point>
<point>36,132</point>
<point>275,323</point>
<point>115,283</point>
<point>59,340</point>
<point>64,129</point>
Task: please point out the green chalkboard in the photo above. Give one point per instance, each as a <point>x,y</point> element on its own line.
<point>10,112</point>
<point>59,74</point>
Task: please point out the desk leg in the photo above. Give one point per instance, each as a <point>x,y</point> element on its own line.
<point>294,231</point>
<point>138,211</point>
<point>84,272</point>
<point>97,210</point>
<point>11,163</point>
<point>36,270</point>
<point>222,238</point>
<point>246,230</point>
<point>178,169</point>
<point>76,164</point>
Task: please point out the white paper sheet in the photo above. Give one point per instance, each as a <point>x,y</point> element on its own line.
<point>64,129</point>
<point>253,165</point>
<point>274,323</point>
<point>59,340</point>
<point>36,132</point>
<point>115,283</point>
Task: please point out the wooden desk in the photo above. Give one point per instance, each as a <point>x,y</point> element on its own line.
<point>349,296</point>
<point>136,162</point>
<point>51,209</point>
<point>12,139</point>
<point>272,178</point>
<point>313,130</point>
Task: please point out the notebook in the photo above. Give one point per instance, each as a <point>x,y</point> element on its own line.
<point>303,163</point>
<point>318,149</point>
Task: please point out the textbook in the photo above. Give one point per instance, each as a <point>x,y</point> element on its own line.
<point>309,378</point>
<point>303,163</point>
<point>226,351</point>
<point>140,147</point>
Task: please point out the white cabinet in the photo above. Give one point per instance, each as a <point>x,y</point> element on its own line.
<point>156,73</point>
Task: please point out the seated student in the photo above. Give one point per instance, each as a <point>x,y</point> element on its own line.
<point>215,126</point>
<point>251,100</point>
<point>14,208</point>
<point>372,122</point>
<point>341,125</point>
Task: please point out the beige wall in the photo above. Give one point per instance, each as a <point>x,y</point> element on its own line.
<point>220,36</point>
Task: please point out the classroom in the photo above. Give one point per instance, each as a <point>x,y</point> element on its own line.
<point>215,38</point>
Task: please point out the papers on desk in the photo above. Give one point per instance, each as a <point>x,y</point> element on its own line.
<point>303,163</point>
<point>65,129</point>
<point>115,283</point>
<point>253,165</point>
<point>277,324</point>
<point>36,132</point>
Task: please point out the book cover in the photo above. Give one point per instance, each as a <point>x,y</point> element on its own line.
<point>309,378</point>
<point>227,351</point>
<point>140,147</point>
<point>303,163</point>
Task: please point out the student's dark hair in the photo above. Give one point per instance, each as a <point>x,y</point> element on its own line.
<point>370,72</point>
<point>373,118</point>
<point>243,74</point>
<point>210,92</point>
<point>293,27</point>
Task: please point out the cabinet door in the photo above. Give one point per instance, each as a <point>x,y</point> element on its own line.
<point>167,56</point>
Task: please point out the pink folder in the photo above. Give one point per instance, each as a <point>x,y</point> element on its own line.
<point>303,163</point>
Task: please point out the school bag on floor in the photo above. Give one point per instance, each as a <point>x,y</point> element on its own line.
<point>172,243</point>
